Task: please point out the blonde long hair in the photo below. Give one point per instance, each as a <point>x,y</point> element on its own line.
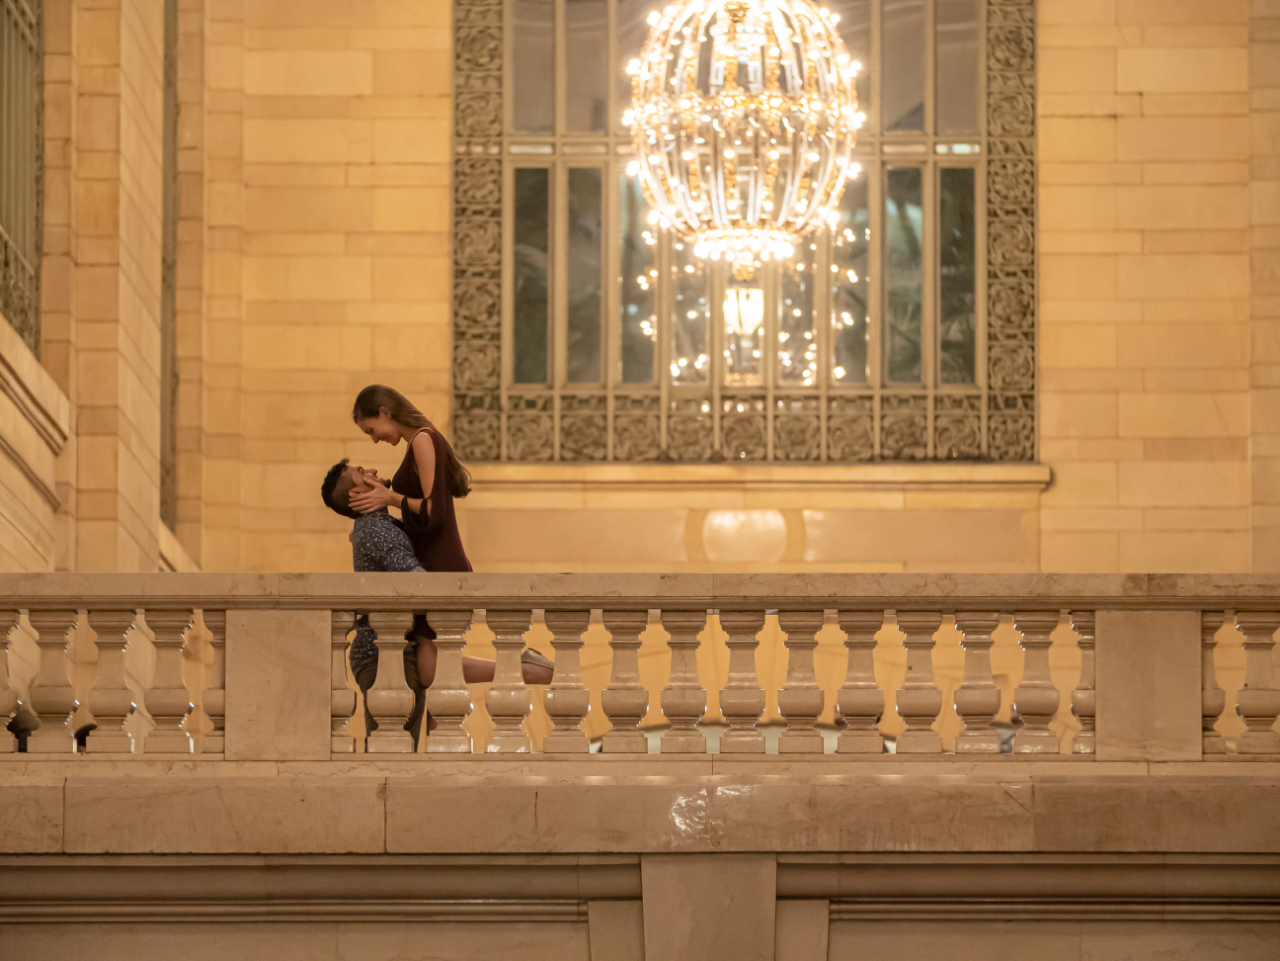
<point>376,398</point>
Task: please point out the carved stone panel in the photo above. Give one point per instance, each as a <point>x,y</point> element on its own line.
<point>851,429</point>
<point>689,426</point>
<point>742,429</point>
<point>904,421</point>
<point>957,426</point>
<point>797,429</point>
<point>637,428</point>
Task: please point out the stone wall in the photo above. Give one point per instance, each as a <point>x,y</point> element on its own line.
<point>313,259</point>
<point>327,141</point>
<point>1145,298</point>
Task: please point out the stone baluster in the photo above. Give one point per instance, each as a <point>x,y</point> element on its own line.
<point>1259,700</point>
<point>342,703</point>
<point>683,699</point>
<point>625,701</point>
<point>801,700</point>
<point>52,697</point>
<point>566,700</point>
<point>978,698</point>
<point>110,699</point>
<point>167,699</point>
<point>1213,699</point>
<point>742,700</point>
<point>919,700</point>
<point>1084,697</point>
<point>1036,699</point>
<point>448,697</point>
<point>213,657</point>
<point>8,688</point>
<point>508,699</point>
<point>390,700</point>
<point>860,700</point>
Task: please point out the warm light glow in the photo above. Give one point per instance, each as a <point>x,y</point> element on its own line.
<point>746,158</point>
<point>743,310</point>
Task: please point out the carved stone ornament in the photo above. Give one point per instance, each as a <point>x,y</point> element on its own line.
<point>491,423</point>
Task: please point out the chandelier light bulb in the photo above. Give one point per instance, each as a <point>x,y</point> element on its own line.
<point>744,116</point>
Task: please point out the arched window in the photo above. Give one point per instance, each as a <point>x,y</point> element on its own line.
<point>906,332</point>
<point>21,174</point>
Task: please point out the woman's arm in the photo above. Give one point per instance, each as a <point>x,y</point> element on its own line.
<point>424,457</point>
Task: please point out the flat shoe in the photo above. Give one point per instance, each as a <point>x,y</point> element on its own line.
<point>530,656</point>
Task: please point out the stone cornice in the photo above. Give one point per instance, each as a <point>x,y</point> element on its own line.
<point>945,592</point>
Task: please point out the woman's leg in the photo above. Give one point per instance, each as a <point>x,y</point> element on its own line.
<point>475,670</point>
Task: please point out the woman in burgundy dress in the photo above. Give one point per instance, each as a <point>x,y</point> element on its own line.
<point>424,488</point>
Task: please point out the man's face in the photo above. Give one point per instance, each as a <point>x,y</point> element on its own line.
<point>362,479</point>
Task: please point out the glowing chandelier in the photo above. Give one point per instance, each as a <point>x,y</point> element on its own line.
<point>743,116</point>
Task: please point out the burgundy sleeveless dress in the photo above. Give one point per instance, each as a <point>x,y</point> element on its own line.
<point>433,532</point>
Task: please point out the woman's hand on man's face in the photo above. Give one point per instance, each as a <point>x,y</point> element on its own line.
<point>372,499</point>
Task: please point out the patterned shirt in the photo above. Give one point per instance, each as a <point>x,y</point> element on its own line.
<point>378,543</point>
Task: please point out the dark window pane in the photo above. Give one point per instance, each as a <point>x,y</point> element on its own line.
<point>585,273</point>
<point>956,22</point>
<point>639,282</point>
<point>586,54</point>
<point>797,342</point>
<point>849,244</point>
<point>956,246</point>
<point>530,261</point>
<point>690,359</point>
<point>903,71</point>
<point>534,64</point>
<point>903,288</point>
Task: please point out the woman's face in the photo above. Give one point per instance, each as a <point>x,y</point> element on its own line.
<point>381,428</point>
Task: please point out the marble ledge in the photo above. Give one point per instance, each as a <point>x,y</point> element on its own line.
<point>664,477</point>
<point>496,813</point>
<point>673,591</point>
<point>545,768</point>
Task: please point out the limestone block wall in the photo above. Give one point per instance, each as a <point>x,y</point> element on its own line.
<point>1148,419</point>
<point>313,259</point>
<point>327,139</point>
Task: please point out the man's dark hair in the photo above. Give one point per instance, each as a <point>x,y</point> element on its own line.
<point>336,490</point>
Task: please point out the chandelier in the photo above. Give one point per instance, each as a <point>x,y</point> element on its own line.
<point>743,117</point>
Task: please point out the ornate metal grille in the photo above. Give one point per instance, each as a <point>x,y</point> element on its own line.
<point>21,165</point>
<point>932,372</point>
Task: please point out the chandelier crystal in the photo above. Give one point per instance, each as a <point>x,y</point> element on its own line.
<point>744,115</point>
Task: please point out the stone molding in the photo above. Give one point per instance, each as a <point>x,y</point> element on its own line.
<point>303,888</point>
<point>870,592</point>
<point>495,889</point>
<point>39,402</point>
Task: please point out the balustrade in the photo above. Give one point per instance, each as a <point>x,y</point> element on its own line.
<point>1259,699</point>
<point>919,699</point>
<point>1213,699</point>
<point>978,697</point>
<point>742,699</point>
<point>8,690</point>
<point>566,700</point>
<point>1036,698</point>
<point>1084,697</point>
<point>625,700</point>
<point>70,678</point>
<point>801,700</point>
<point>860,700</point>
<point>167,699</point>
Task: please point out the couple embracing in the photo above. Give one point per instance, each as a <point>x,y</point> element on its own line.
<point>425,538</point>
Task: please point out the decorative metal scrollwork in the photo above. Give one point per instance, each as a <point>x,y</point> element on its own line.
<point>652,424</point>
